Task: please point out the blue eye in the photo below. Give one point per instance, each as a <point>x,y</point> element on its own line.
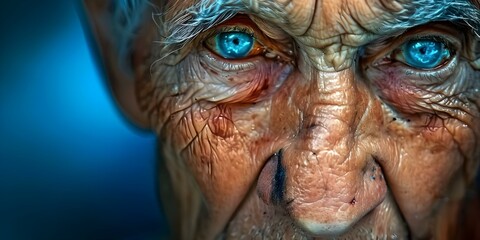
<point>425,53</point>
<point>233,45</point>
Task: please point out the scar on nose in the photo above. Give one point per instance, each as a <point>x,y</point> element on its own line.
<point>279,180</point>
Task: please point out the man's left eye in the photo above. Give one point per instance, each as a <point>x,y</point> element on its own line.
<point>424,54</point>
<point>233,45</point>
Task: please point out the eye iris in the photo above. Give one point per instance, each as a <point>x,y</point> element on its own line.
<point>425,53</point>
<point>234,44</point>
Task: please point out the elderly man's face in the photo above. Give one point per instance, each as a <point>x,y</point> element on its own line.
<point>306,118</point>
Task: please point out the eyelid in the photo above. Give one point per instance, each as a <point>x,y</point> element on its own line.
<point>228,66</point>
<point>449,41</point>
<point>447,32</point>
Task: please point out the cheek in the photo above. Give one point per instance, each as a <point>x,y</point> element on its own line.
<point>207,142</point>
<point>219,144</point>
<point>395,91</point>
<point>216,124</point>
<point>427,171</point>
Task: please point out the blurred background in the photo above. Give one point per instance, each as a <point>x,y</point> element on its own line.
<point>71,167</point>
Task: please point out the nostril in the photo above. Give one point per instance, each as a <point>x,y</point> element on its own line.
<point>373,170</point>
<point>271,182</point>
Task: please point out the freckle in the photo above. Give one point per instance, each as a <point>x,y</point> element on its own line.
<point>264,213</point>
<point>230,79</point>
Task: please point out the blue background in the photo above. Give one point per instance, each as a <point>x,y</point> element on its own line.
<point>71,166</point>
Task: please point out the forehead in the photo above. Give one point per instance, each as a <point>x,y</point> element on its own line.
<point>333,27</point>
<point>327,18</point>
<point>297,17</point>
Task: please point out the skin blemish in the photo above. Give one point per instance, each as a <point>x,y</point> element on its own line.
<point>354,200</point>
<point>220,122</point>
<point>374,170</point>
<point>279,180</point>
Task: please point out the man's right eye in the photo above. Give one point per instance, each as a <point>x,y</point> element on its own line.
<point>234,45</point>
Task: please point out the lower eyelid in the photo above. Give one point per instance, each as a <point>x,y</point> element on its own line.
<point>437,76</point>
<point>223,65</point>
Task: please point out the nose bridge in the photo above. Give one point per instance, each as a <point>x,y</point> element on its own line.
<point>330,115</point>
<point>328,181</point>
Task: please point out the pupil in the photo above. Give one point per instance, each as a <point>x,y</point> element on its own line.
<point>423,50</point>
<point>236,41</point>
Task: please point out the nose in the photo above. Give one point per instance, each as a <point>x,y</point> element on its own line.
<point>327,178</point>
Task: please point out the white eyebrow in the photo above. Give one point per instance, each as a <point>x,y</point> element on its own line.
<point>206,14</point>
<point>419,12</point>
<point>198,18</point>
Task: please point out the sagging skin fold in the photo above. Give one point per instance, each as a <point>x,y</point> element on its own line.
<point>303,119</point>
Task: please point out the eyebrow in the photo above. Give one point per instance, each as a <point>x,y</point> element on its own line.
<point>423,11</point>
<point>206,14</point>
<point>198,18</point>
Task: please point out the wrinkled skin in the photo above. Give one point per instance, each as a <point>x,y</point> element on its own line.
<point>332,139</point>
